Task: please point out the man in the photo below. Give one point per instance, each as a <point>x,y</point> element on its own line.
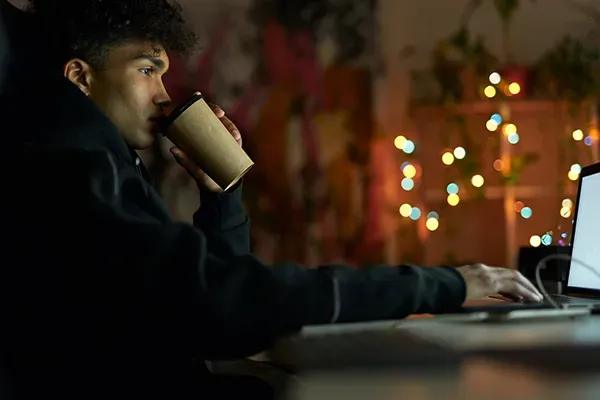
<point>105,292</point>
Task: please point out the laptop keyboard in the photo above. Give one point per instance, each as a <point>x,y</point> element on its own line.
<point>561,299</point>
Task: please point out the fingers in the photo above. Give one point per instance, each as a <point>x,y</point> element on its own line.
<point>483,280</point>
<point>507,297</point>
<point>528,285</point>
<point>232,129</point>
<point>183,160</point>
<point>228,124</point>
<point>218,111</point>
<point>514,283</point>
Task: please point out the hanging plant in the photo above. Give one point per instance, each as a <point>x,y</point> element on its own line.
<point>459,63</point>
<point>347,21</point>
<point>569,71</point>
<point>518,165</point>
<point>506,10</point>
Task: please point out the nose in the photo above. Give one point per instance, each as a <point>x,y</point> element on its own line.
<point>162,99</point>
<point>163,104</point>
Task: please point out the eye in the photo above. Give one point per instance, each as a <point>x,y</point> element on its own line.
<point>147,71</point>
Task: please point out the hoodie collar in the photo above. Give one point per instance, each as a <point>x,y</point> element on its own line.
<point>64,118</point>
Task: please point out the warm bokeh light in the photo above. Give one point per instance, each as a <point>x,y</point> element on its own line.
<point>514,88</point>
<point>535,241</point>
<point>405,210</point>
<point>453,199</point>
<point>460,153</point>
<point>498,165</point>
<point>519,206</point>
<point>491,125</point>
<point>399,142</point>
<point>477,181</point>
<point>509,129</point>
<point>573,176</point>
<point>409,171</point>
<point>448,158</point>
<point>565,212</point>
<point>432,224</point>
<point>567,203</point>
<point>495,78</point>
<point>489,91</point>
<point>578,134</point>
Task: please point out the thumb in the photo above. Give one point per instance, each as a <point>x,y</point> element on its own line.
<point>183,160</point>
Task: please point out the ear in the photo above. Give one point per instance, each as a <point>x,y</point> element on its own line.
<point>80,73</point>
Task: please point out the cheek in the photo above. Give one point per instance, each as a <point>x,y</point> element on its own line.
<point>139,94</point>
<point>111,94</point>
<point>126,99</point>
<point>131,103</point>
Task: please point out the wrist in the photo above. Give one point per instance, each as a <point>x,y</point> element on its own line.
<point>209,189</point>
<point>206,184</point>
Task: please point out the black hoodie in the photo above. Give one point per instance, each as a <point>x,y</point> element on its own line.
<point>102,289</point>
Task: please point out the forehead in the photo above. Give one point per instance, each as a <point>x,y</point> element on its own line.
<point>129,53</point>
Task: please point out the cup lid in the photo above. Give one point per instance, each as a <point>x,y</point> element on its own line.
<point>169,119</point>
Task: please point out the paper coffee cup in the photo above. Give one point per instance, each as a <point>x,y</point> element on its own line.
<point>195,129</point>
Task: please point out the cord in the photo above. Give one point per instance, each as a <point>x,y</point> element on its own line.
<point>563,257</point>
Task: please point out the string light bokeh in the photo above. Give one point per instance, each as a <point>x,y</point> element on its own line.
<point>508,131</point>
<point>567,205</point>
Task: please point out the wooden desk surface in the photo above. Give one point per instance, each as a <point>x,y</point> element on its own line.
<point>477,379</point>
<point>480,376</point>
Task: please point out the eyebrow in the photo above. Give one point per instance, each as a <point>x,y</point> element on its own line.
<point>158,63</point>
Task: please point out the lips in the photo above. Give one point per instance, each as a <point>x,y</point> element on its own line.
<point>158,123</point>
<point>155,126</point>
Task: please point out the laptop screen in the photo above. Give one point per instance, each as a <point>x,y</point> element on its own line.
<point>586,247</point>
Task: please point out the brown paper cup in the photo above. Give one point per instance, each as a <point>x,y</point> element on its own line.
<point>195,129</point>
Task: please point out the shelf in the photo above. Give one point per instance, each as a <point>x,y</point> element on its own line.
<point>498,192</point>
<point>488,107</point>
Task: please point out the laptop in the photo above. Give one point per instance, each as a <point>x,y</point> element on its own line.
<point>583,282</point>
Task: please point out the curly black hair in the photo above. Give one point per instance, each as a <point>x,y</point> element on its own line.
<point>88,29</point>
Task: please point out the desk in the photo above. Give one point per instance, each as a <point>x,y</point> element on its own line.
<point>475,336</point>
<point>552,359</point>
<point>478,378</point>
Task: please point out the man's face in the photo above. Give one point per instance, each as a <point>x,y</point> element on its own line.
<point>130,91</point>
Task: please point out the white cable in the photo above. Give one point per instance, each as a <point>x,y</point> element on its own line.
<point>564,257</point>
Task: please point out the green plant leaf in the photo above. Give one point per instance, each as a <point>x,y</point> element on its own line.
<point>506,9</point>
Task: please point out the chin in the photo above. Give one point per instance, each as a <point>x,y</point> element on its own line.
<point>143,141</point>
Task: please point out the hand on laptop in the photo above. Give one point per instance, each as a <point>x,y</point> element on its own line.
<point>483,280</point>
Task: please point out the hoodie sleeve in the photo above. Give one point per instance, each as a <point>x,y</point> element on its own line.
<point>103,270</point>
<point>222,219</point>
